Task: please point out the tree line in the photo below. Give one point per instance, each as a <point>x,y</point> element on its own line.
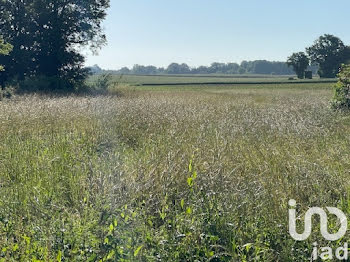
<point>41,41</point>
<point>45,38</point>
<point>328,52</point>
<point>246,67</point>
<point>325,58</point>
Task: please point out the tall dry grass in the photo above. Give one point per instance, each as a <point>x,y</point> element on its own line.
<point>168,176</point>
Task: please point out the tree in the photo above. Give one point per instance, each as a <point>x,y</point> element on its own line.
<point>47,36</point>
<point>16,26</point>
<point>5,49</point>
<point>201,70</point>
<point>329,52</point>
<point>217,68</point>
<point>232,68</point>
<point>299,62</point>
<point>144,70</point>
<point>124,70</point>
<point>175,68</point>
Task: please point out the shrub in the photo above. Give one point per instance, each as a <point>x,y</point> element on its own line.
<point>6,92</point>
<point>341,99</point>
<point>103,82</point>
<point>48,84</point>
<point>108,84</point>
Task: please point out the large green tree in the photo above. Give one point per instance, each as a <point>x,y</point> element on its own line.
<point>47,36</point>
<point>5,49</point>
<point>299,62</point>
<point>18,27</point>
<point>329,52</point>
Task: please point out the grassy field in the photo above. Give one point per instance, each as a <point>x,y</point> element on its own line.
<point>164,173</point>
<point>200,79</point>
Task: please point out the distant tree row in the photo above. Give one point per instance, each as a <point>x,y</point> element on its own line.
<point>246,67</point>
<point>328,53</point>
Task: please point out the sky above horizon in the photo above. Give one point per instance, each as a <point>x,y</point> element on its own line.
<point>199,32</point>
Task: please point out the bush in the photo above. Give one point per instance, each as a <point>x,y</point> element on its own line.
<point>108,84</point>
<point>48,84</point>
<point>341,99</point>
<point>6,92</point>
<point>103,82</point>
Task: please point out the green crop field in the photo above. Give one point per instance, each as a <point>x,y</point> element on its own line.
<point>214,79</point>
<point>169,173</point>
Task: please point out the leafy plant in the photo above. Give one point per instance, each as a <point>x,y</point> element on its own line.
<point>341,98</point>
<point>7,92</point>
<point>5,49</point>
<point>103,82</point>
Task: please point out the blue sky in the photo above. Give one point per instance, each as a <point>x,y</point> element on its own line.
<point>199,32</point>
